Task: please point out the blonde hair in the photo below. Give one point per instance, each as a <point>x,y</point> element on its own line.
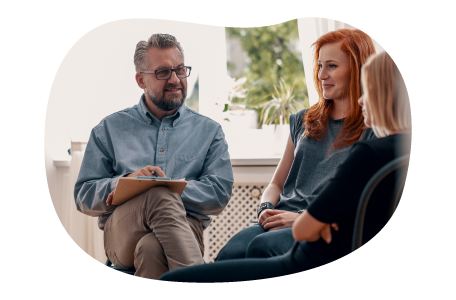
<point>386,95</point>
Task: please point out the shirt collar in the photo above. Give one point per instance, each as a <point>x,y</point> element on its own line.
<point>149,117</point>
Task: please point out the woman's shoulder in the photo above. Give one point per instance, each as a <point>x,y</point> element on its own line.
<point>296,124</point>
<point>397,144</point>
<point>368,135</point>
<point>297,117</point>
<point>390,139</point>
<point>302,112</point>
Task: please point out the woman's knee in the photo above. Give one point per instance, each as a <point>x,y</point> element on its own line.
<point>231,251</point>
<point>237,245</point>
<point>259,247</point>
<point>271,244</point>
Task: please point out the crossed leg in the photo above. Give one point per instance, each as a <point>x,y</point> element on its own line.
<point>152,233</point>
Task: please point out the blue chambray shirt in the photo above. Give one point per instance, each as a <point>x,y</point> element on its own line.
<point>184,145</point>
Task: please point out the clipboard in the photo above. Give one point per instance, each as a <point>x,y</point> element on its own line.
<point>129,187</point>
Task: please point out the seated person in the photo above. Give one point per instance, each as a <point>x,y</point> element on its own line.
<point>324,231</point>
<point>157,230</point>
<point>320,140</point>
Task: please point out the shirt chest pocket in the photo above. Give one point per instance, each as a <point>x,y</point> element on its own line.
<point>188,166</point>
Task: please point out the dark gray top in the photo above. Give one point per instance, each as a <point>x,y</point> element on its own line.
<point>313,166</point>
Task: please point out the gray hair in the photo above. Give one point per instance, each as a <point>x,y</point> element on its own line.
<point>158,40</point>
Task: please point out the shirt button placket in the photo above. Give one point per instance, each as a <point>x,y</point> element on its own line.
<point>161,149</point>
<point>161,146</point>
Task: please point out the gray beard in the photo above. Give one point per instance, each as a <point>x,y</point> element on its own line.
<point>167,105</point>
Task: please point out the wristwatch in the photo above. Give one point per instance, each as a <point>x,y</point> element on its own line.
<point>263,206</point>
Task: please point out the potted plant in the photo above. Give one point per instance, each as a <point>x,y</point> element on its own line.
<point>275,113</point>
<point>277,110</point>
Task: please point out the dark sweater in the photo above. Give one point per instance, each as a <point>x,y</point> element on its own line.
<point>338,201</point>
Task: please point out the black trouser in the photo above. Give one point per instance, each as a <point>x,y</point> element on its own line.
<point>293,261</point>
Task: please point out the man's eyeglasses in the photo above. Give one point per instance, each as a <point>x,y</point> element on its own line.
<point>165,74</point>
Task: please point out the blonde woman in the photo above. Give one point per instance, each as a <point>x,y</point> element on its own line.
<point>324,231</point>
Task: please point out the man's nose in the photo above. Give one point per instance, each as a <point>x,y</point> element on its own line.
<point>174,78</point>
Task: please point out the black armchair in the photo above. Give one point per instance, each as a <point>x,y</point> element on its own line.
<point>400,164</point>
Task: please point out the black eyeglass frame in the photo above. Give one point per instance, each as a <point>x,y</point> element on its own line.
<point>170,74</point>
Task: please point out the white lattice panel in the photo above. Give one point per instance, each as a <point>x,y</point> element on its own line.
<point>237,215</point>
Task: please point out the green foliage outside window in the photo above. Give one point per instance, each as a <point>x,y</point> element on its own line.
<point>273,58</point>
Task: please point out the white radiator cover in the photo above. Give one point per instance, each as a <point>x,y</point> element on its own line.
<point>236,216</point>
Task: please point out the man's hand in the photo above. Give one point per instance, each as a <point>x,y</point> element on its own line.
<point>150,171</point>
<point>278,219</point>
<point>110,196</point>
<point>325,233</point>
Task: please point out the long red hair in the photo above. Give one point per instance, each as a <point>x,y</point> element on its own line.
<point>358,46</point>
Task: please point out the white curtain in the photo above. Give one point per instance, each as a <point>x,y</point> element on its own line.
<point>82,229</point>
<point>310,29</point>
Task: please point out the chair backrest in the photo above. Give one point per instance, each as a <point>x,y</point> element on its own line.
<point>400,164</point>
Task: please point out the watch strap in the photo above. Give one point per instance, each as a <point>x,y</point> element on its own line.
<point>263,206</point>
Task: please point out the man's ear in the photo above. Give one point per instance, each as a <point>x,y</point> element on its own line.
<point>140,80</point>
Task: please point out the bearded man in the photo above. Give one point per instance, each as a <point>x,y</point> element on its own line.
<point>157,230</point>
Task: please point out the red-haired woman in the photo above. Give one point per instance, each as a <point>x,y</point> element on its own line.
<point>320,139</point>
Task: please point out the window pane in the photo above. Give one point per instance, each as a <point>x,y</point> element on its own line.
<point>270,60</point>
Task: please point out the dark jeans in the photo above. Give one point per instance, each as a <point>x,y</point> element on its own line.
<point>255,242</point>
<point>295,260</point>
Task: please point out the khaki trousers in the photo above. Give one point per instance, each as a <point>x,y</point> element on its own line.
<point>153,234</point>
